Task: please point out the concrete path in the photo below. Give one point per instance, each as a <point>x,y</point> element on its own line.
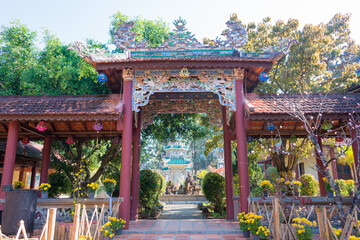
<point>181,211</point>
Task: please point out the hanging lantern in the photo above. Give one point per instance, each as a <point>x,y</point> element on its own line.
<point>270,126</point>
<point>326,125</point>
<point>263,77</point>
<point>116,140</point>
<point>41,126</point>
<point>98,126</point>
<point>25,140</point>
<point>69,141</point>
<point>249,139</point>
<point>102,77</point>
<point>339,139</point>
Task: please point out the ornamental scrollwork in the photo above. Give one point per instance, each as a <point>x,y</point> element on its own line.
<point>219,81</point>
<point>209,106</point>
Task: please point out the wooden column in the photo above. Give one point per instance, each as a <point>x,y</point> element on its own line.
<point>355,147</point>
<point>45,160</point>
<point>241,141</point>
<point>228,168</point>
<point>297,171</point>
<point>135,172</point>
<point>10,155</point>
<point>124,209</point>
<point>320,164</point>
<point>21,174</point>
<point>333,164</point>
<point>33,177</point>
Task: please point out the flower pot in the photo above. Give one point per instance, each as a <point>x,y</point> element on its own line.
<point>266,193</point>
<point>330,194</point>
<point>119,231</point>
<point>246,233</point>
<point>255,237</point>
<point>91,194</point>
<point>351,193</point>
<point>44,194</point>
<point>296,194</point>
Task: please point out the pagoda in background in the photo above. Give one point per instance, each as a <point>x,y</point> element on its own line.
<point>177,163</point>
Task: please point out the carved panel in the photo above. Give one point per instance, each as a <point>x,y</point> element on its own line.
<point>219,81</point>
<point>211,107</point>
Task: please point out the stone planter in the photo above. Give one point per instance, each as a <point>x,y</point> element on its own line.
<point>91,194</point>
<point>44,194</point>
<point>246,233</point>
<point>330,194</point>
<point>255,237</point>
<point>266,193</point>
<point>119,231</point>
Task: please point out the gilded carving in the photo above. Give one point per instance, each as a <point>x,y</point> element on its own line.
<point>219,81</point>
<point>239,73</point>
<point>128,74</point>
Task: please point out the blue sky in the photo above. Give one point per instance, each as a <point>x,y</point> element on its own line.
<point>76,20</point>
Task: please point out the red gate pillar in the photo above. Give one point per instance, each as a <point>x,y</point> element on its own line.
<point>21,175</point>
<point>241,141</point>
<point>320,164</point>
<point>355,147</point>
<point>44,173</point>
<point>135,172</point>
<point>124,209</point>
<point>33,177</point>
<point>10,155</point>
<point>228,168</point>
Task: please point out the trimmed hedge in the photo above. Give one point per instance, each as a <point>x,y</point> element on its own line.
<point>152,186</point>
<point>213,188</point>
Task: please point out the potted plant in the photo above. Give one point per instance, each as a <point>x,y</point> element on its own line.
<point>303,228</point>
<point>263,233</point>
<point>254,222</point>
<point>244,224</point>
<point>309,186</point>
<point>350,186</point>
<point>266,186</point>
<point>112,227</point>
<point>329,190</point>
<point>296,186</point>
<point>92,189</point>
<point>18,185</point>
<point>44,189</point>
<point>109,185</point>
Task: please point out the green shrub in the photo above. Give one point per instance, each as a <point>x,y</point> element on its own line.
<point>214,190</point>
<point>152,185</point>
<point>60,184</point>
<point>310,186</point>
<point>271,174</point>
<point>342,186</point>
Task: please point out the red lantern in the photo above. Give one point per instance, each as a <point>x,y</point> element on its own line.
<point>25,140</point>
<point>41,126</point>
<point>69,141</point>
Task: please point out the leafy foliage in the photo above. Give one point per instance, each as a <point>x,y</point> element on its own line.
<point>60,184</point>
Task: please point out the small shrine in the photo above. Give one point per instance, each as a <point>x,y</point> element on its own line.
<point>177,163</point>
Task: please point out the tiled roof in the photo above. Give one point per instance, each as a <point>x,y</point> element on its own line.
<point>177,161</point>
<point>64,107</point>
<point>330,104</point>
<point>30,150</point>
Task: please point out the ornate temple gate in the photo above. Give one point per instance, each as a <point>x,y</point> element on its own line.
<point>181,75</point>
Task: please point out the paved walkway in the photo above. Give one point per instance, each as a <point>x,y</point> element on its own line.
<point>205,229</point>
<point>181,211</point>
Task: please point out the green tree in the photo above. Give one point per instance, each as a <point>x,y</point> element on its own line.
<point>306,67</point>
<point>153,31</point>
<point>17,55</point>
